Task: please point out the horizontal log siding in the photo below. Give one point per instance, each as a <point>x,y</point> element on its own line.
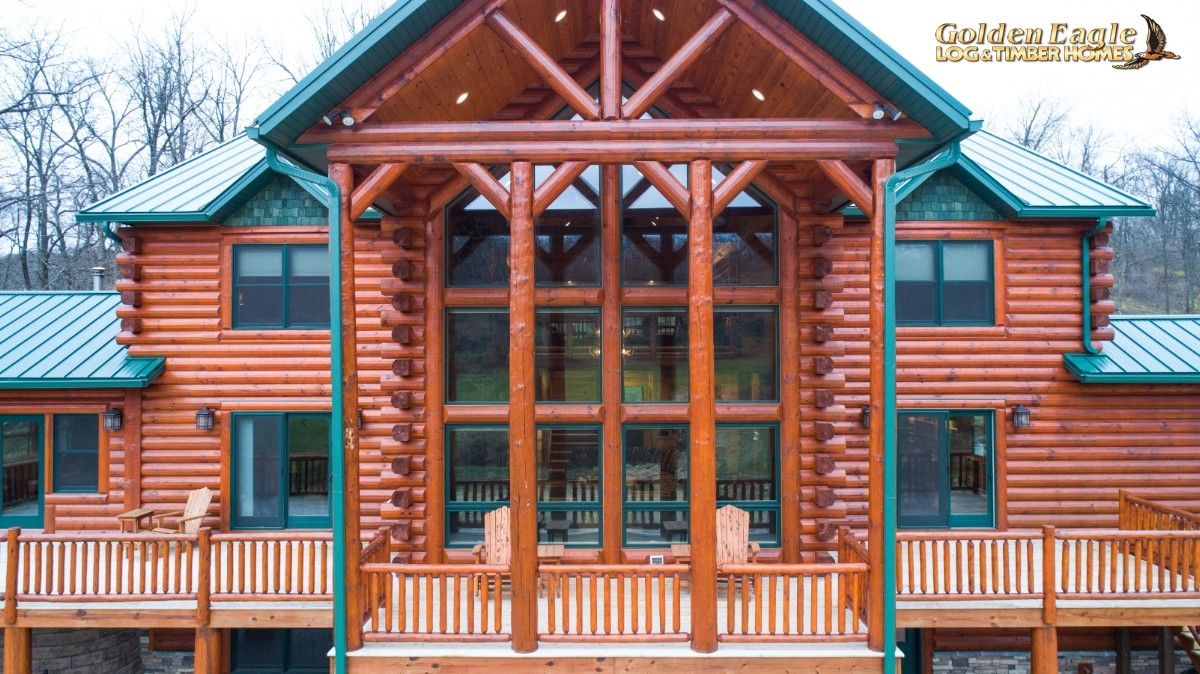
<point>1086,442</point>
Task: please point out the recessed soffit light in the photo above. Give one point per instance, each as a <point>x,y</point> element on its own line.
<point>560,16</point>
<point>462,98</point>
<point>758,94</point>
<point>658,14</point>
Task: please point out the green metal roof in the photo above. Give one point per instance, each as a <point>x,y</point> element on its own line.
<point>404,22</point>
<point>1146,350</point>
<point>1024,184</point>
<point>204,189</point>
<point>67,340</point>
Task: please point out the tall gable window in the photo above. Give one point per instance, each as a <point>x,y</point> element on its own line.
<point>945,283</point>
<point>280,286</point>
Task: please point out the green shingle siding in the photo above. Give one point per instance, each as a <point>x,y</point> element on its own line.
<point>945,197</point>
<point>280,202</point>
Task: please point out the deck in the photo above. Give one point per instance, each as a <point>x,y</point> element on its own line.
<point>93,579</point>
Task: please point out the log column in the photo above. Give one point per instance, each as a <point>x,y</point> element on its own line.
<point>522,431</point>
<point>208,658</point>
<point>875,450</point>
<point>1043,650</point>
<point>610,320</point>
<point>18,650</point>
<point>343,176</point>
<point>702,489</point>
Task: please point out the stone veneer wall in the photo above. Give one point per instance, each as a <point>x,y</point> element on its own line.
<point>85,651</point>
<point>1017,662</point>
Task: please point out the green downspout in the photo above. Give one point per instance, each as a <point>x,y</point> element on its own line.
<point>106,229</point>
<point>336,489</point>
<point>889,386</point>
<point>1086,273</point>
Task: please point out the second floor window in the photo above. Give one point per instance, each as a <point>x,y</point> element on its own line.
<point>944,283</point>
<point>281,286</point>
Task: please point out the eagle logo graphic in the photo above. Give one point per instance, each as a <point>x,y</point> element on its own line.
<point>1156,48</point>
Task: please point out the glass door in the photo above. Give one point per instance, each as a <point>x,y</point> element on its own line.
<point>21,456</point>
<point>923,484</point>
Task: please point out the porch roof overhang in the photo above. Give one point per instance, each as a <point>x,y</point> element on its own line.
<point>67,340</point>
<point>1144,350</point>
<point>402,24</point>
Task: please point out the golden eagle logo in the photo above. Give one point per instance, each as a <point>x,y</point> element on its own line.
<point>1156,48</point>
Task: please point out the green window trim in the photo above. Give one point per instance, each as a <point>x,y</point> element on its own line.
<point>938,246</point>
<point>771,506</point>
<point>64,456</point>
<point>628,506</point>
<point>596,507</point>
<point>952,521</point>
<point>18,517</point>
<point>285,284</point>
<point>285,520</point>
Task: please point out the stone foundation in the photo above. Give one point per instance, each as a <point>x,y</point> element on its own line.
<point>72,651</point>
<point>1017,662</point>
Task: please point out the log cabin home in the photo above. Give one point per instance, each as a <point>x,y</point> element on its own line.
<point>567,279</point>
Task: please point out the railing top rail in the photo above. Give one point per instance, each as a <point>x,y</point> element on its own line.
<point>272,536</point>
<point>569,569</point>
<point>1155,505</point>
<point>792,569</point>
<point>435,569</point>
<point>1124,535</point>
<point>104,537</point>
<point>957,535</point>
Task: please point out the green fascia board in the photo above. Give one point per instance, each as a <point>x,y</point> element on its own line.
<point>116,216</point>
<point>1084,367</point>
<point>145,371</point>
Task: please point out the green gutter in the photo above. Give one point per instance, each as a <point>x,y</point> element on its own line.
<point>1085,271</point>
<point>106,229</point>
<point>889,387</point>
<point>336,428</point>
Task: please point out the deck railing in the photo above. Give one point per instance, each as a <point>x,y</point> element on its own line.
<point>616,602</point>
<point>942,565</point>
<point>204,567</point>
<point>1140,514</point>
<point>793,602</point>
<point>436,602</point>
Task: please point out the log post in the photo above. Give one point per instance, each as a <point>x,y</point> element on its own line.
<point>208,651</point>
<point>12,554</point>
<point>131,445</point>
<point>875,435</point>
<point>1049,577</point>
<point>1124,652</point>
<point>610,320</point>
<point>789,377</point>
<point>610,60</point>
<point>204,577</point>
<point>702,487</point>
<point>18,650</point>
<point>343,176</point>
<point>1043,650</point>
<point>1166,651</point>
<point>435,316</point>
<point>522,430</point>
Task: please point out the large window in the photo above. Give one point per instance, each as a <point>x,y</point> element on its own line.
<point>280,470</point>
<point>656,485</point>
<point>654,355</point>
<point>76,452</point>
<point>568,466</point>
<point>476,356</point>
<point>568,237</point>
<point>745,341</point>
<point>748,475</point>
<point>476,480</point>
<point>276,651</point>
<point>944,283</point>
<point>568,355</point>
<point>280,286</point>
<point>945,470</point>
<point>654,236</point>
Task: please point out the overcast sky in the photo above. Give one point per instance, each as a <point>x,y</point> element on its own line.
<point>1135,107</point>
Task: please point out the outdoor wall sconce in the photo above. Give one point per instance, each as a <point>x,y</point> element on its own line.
<point>362,420</point>
<point>342,117</point>
<point>205,418</point>
<point>865,419</point>
<point>1021,417</point>
<point>113,418</point>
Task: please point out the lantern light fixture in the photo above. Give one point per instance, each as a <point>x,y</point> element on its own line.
<point>1021,417</point>
<point>865,417</point>
<point>113,418</point>
<point>206,418</point>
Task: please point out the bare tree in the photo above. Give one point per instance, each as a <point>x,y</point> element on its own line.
<point>331,28</point>
<point>1038,124</point>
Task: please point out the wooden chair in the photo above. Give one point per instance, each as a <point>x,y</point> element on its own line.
<point>496,547</point>
<point>733,539</point>
<point>188,520</point>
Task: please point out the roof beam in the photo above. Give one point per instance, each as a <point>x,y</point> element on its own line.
<point>545,65</point>
<point>736,181</point>
<point>620,130</point>
<point>667,184</point>
<point>611,152</point>
<point>487,185</point>
<point>855,188</point>
<point>680,61</point>
<point>802,51</point>
<point>373,187</point>
<point>610,59</point>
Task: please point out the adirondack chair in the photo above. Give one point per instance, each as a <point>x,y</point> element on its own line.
<point>187,521</point>
<point>733,539</point>
<point>496,547</point>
